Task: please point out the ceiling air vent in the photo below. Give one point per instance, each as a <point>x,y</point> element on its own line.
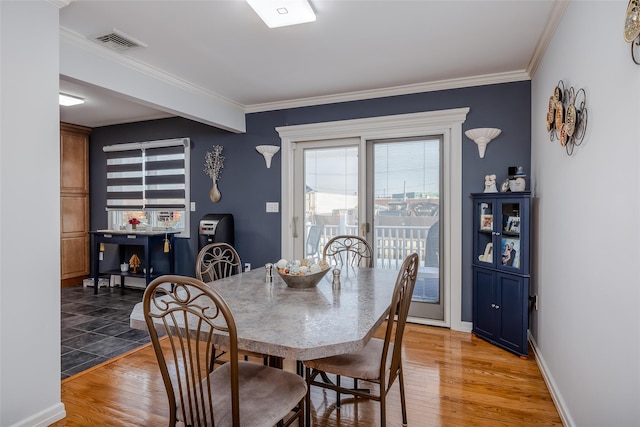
<point>119,41</point>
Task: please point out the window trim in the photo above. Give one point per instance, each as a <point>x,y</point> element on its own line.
<point>445,122</point>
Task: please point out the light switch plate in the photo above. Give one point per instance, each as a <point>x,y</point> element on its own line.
<point>273,207</point>
<point>193,206</point>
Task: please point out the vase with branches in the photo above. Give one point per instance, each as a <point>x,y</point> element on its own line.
<point>213,164</point>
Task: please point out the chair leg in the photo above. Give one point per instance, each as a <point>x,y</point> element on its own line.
<point>337,392</point>
<point>301,415</point>
<point>402,399</point>
<point>383,408</point>
<point>307,406</point>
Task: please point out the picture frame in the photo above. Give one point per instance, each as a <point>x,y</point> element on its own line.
<point>510,252</point>
<point>512,224</point>
<point>486,222</point>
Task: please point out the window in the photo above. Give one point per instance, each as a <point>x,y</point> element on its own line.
<point>149,181</point>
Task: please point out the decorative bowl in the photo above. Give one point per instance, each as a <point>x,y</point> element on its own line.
<point>303,281</point>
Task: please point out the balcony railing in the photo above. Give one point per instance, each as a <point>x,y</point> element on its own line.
<point>392,244</point>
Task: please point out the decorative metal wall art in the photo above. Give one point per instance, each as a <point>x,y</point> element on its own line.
<point>632,27</point>
<point>567,116</point>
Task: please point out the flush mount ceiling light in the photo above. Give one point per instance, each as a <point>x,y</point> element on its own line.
<point>280,13</point>
<point>69,100</point>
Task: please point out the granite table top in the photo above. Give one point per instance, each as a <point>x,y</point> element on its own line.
<point>303,324</point>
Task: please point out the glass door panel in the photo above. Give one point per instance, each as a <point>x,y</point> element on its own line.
<point>510,235</point>
<point>404,196</point>
<point>328,181</point>
<point>483,252</point>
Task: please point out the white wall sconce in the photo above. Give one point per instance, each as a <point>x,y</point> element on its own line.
<point>482,136</point>
<point>267,151</point>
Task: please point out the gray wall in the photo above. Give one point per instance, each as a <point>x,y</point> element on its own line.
<point>246,184</point>
<point>587,326</point>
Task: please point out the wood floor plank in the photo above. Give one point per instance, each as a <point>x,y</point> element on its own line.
<point>451,379</point>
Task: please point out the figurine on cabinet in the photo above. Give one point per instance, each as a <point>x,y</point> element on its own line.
<point>490,184</point>
<point>517,178</point>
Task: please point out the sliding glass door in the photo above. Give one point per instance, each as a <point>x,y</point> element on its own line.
<point>387,191</point>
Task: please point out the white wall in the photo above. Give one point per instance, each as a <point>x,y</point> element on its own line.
<point>587,234</point>
<point>29,215</point>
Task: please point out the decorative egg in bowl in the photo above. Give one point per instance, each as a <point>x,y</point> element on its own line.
<point>302,275</point>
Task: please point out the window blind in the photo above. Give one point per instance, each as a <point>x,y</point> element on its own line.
<point>148,175</point>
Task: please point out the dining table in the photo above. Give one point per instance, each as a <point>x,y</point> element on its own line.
<point>303,324</point>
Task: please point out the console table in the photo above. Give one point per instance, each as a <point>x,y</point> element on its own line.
<point>123,238</point>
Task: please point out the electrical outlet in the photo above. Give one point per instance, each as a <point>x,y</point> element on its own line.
<point>247,266</point>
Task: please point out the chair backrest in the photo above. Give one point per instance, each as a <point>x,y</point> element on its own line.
<point>400,302</point>
<point>189,312</point>
<point>216,261</point>
<point>348,250</point>
<point>432,246</point>
<point>313,239</point>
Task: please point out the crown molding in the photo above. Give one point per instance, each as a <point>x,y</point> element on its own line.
<point>555,16</point>
<point>482,80</point>
<point>60,3</point>
<point>78,40</point>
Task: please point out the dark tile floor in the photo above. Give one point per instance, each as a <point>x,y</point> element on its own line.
<point>95,328</point>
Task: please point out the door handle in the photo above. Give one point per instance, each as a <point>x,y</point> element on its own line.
<point>295,226</point>
<point>364,229</point>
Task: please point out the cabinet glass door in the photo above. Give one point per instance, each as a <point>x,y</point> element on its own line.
<point>508,232</point>
<point>485,230</point>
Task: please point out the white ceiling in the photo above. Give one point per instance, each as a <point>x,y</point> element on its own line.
<point>354,50</point>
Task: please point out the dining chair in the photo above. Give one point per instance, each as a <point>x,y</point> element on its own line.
<point>380,361</point>
<point>348,250</point>
<point>216,261</point>
<point>238,393</point>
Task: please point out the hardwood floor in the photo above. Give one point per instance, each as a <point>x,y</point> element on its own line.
<point>452,379</point>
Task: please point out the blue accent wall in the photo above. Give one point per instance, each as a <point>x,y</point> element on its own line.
<point>246,184</point>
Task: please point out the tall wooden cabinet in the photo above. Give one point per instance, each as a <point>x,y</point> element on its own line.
<point>501,247</point>
<point>74,204</point>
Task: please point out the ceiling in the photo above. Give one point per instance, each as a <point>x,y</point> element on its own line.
<point>354,50</point>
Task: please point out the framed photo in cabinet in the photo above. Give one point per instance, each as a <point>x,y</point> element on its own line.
<point>511,252</point>
<point>486,222</point>
<point>512,224</point>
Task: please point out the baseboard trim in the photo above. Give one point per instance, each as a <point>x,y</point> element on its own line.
<point>44,418</point>
<point>556,396</point>
<point>462,326</point>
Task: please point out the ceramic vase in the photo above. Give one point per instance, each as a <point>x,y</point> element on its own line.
<point>214,194</point>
